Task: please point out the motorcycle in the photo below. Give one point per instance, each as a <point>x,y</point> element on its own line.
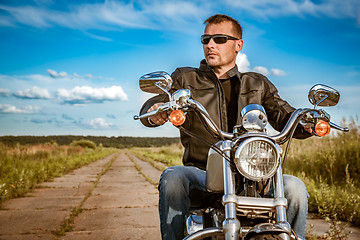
<point>244,168</point>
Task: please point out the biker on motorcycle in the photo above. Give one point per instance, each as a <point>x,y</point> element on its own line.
<point>223,91</point>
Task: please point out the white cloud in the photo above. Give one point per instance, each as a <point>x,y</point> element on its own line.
<point>105,39</point>
<point>55,74</point>
<point>63,74</point>
<point>262,70</point>
<point>86,94</point>
<point>4,92</point>
<point>179,10</point>
<point>33,93</point>
<point>242,62</point>
<point>181,15</point>
<point>76,75</point>
<point>278,72</point>
<point>109,15</point>
<point>100,123</point>
<point>52,73</point>
<point>89,76</point>
<point>7,108</point>
<point>279,8</point>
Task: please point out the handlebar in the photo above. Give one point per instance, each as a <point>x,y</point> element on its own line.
<point>337,127</point>
<point>163,108</point>
<point>146,115</point>
<point>281,138</point>
<point>293,120</point>
<point>214,128</point>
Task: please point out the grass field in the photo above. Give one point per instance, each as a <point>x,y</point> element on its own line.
<point>329,166</point>
<point>22,167</point>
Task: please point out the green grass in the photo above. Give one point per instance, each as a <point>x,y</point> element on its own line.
<point>167,156</point>
<point>22,167</point>
<point>330,168</point>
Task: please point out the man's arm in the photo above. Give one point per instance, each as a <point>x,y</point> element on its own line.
<point>279,111</point>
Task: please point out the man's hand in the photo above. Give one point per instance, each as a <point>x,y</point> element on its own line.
<point>158,119</point>
<point>309,129</point>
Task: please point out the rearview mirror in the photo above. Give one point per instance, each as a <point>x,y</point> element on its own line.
<point>322,95</point>
<point>156,82</point>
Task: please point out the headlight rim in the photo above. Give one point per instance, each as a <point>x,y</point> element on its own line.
<point>241,147</point>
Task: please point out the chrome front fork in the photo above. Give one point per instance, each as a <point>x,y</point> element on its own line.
<point>281,209</point>
<point>231,224</point>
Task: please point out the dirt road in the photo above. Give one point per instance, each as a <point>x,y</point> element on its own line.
<point>113,198</point>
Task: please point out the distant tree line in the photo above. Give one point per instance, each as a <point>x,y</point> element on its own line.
<point>116,142</point>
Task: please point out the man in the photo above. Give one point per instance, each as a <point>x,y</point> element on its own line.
<point>223,91</point>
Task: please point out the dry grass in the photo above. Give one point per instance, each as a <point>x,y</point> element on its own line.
<point>330,168</point>
<point>168,155</point>
<point>22,167</point>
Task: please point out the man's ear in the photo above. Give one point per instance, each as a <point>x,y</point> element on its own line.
<point>239,45</point>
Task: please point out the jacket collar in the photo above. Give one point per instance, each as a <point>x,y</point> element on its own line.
<point>231,73</point>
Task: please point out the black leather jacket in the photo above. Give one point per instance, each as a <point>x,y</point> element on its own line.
<point>206,89</point>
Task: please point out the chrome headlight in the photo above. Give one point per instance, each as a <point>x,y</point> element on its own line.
<point>257,158</point>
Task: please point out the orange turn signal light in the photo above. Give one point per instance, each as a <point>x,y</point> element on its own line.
<point>177,117</point>
<point>322,128</point>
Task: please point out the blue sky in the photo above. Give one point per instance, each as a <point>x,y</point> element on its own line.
<point>72,67</point>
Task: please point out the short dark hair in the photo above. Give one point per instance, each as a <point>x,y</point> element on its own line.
<point>219,18</point>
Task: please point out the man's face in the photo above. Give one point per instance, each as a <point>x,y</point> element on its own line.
<point>221,55</point>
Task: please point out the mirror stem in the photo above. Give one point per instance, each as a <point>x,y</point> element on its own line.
<point>158,85</point>
<point>317,104</point>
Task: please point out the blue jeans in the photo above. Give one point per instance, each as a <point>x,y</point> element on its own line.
<point>182,188</point>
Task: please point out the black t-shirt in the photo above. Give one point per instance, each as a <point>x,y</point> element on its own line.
<point>231,90</point>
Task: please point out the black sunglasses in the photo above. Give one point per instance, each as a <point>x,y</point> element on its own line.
<point>218,38</point>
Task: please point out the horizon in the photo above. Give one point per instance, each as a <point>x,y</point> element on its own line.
<point>73,68</point>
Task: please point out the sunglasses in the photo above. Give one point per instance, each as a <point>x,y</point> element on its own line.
<point>218,38</point>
